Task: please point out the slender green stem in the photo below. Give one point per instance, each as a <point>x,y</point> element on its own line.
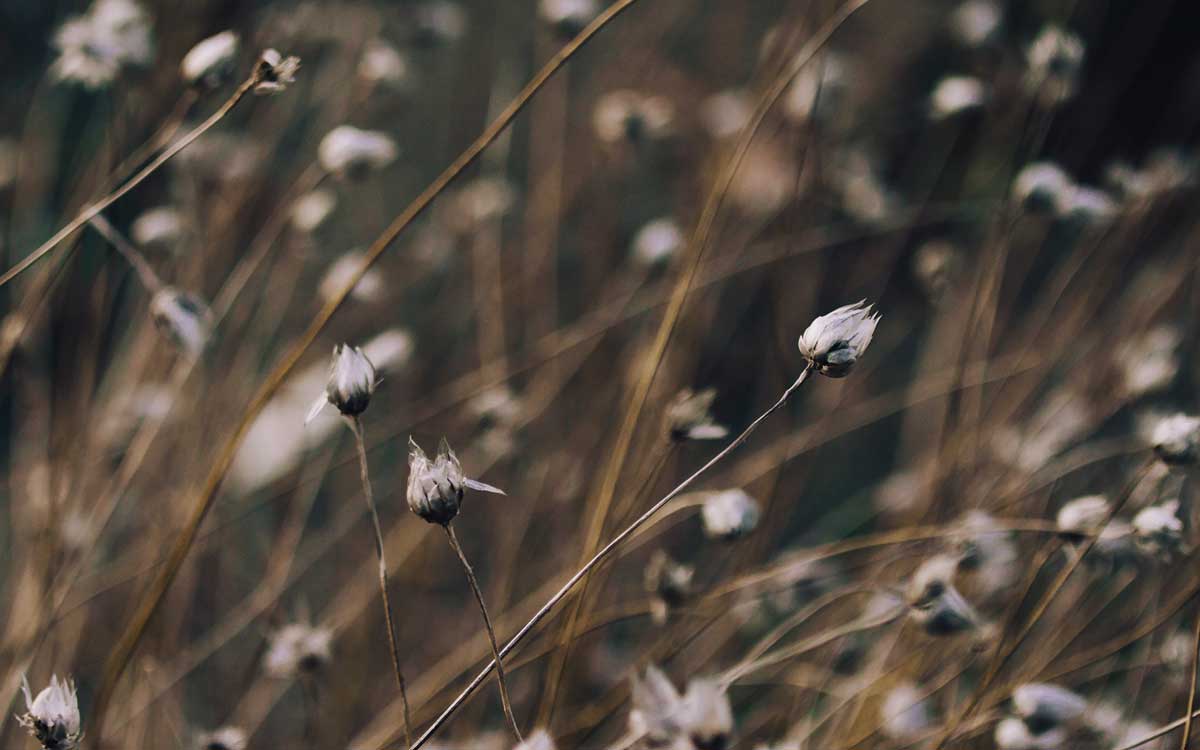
<point>487,623</point>
<point>359,438</point>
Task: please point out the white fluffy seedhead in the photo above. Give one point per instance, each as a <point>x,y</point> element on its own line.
<point>52,717</point>
<point>834,342</point>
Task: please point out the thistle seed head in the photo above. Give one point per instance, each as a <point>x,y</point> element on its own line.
<point>52,718</point>
<point>435,488</point>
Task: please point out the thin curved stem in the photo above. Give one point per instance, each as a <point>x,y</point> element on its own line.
<point>88,213</point>
<point>599,557</point>
<point>487,623</point>
<point>130,253</point>
<point>360,441</point>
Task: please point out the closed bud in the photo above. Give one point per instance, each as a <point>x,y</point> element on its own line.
<point>834,342</point>
<point>210,63</point>
<point>935,604</point>
<point>539,740</point>
<point>182,317</point>
<point>225,738</point>
<point>1044,707</point>
<point>1012,734</point>
<point>298,648</point>
<point>53,716</point>
<point>347,150</point>
<point>1159,530</point>
<point>905,712</point>
<point>568,17</point>
<point>670,583</point>
<point>705,715</point>
<point>435,488</point>
<point>351,383</point>
<point>1176,439</point>
<point>1055,59</point>
<point>1083,517</point>
<point>729,515</point>
<point>689,416</point>
<point>654,716</point>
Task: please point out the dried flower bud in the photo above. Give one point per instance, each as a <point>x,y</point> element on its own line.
<point>275,72</point>
<point>1159,530</point>
<point>225,738</point>
<point>210,62</point>
<point>725,113</point>
<point>955,94</point>
<point>351,383</point>
<point>184,318</point>
<point>1147,363</point>
<point>705,715</point>
<point>298,648</point>
<point>1176,439</point>
<point>657,241</point>
<point>370,285</point>
<point>689,416</point>
<point>729,515</point>
<point>1044,187</point>
<point>630,115</point>
<point>905,712</point>
<point>975,21</point>
<point>435,488</point>
<point>1044,707</point>
<point>834,342</point>
<point>1055,58</point>
<point>158,227</point>
<point>1083,517</point>
<point>1012,734</point>
<point>52,718</point>
<point>935,604</point>
<point>383,64</point>
<point>568,17</point>
<point>312,209</point>
<point>347,150</point>
<point>935,265</point>
<point>1087,206</point>
<point>439,22</point>
<point>670,582</point>
<point>654,716</point>
<point>539,740</point>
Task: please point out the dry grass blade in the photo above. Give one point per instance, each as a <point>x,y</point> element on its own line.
<point>132,634</point>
